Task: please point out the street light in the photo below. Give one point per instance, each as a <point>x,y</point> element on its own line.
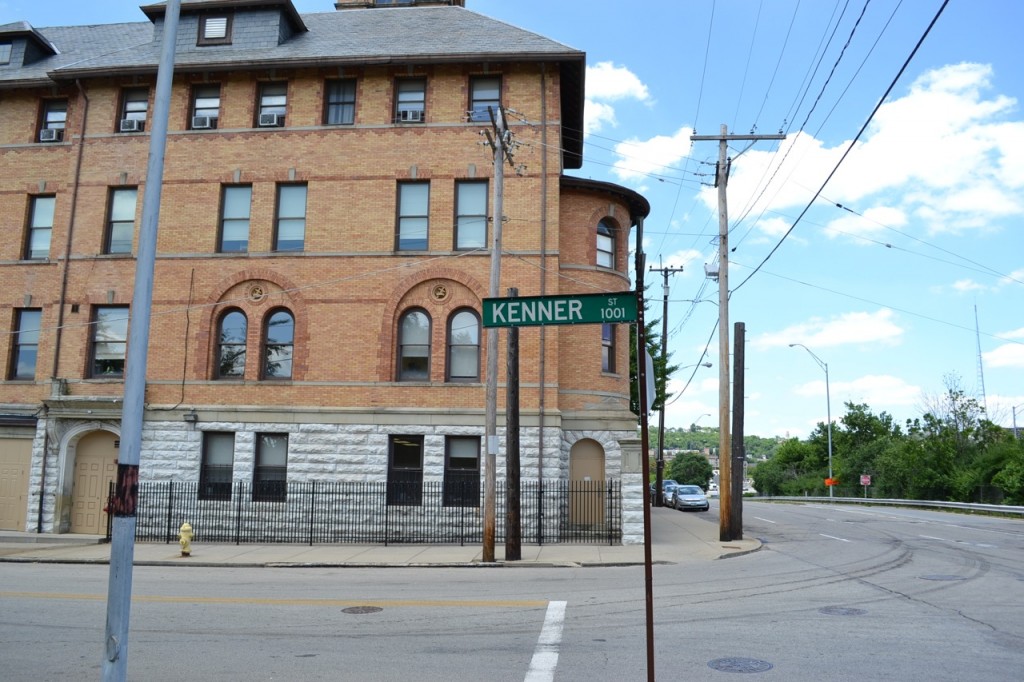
<point>828,408</point>
<point>1015,419</point>
<point>661,445</point>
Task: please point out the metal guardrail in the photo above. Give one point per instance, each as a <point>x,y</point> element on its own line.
<point>1000,509</point>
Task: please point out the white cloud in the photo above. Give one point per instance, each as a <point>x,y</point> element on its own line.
<point>640,158</point>
<point>968,285</point>
<point>1009,354</point>
<point>956,171</point>
<point>605,81</point>
<point>874,390</point>
<point>841,330</point>
<point>1015,277</point>
<point>689,259</point>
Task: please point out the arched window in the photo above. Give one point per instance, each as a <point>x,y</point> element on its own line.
<point>414,346</point>
<point>278,345</point>
<point>605,244</point>
<point>464,346</point>
<point>231,345</point>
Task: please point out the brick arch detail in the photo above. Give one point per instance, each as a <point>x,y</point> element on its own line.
<point>289,298</point>
<point>469,294</point>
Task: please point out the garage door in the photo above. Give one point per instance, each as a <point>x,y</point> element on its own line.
<point>95,469</point>
<point>15,455</point>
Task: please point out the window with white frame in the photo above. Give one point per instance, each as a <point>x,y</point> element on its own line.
<point>414,346</point>
<point>272,105</point>
<point>121,220</point>
<point>290,227</point>
<point>205,106</point>
<point>605,245</point>
<point>54,119</point>
<point>484,97</point>
<point>134,107</point>
<point>40,227</point>
<point>236,204</point>
<point>410,100</point>
<point>413,216</point>
<point>217,467</point>
<point>109,342</point>
<point>471,214</point>
<point>464,346</point>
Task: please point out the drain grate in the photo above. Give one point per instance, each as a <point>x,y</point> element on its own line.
<point>841,611</point>
<point>942,577</point>
<point>362,609</point>
<point>739,665</point>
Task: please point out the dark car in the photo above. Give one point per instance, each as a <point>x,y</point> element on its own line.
<point>689,497</point>
<point>666,491</point>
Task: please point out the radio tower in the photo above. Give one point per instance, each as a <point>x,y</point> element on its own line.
<point>981,366</point>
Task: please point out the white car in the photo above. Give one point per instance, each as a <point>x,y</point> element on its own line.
<point>690,497</point>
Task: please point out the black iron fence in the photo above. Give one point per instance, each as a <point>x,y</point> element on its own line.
<point>326,512</point>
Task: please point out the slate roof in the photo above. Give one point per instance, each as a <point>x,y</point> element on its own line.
<point>349,37</point>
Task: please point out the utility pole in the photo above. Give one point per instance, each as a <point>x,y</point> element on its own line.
<point>513,522</point>
<point>126,492</point>
<point>665,272</point>
<point>500,142</point>
<point>724,440</point>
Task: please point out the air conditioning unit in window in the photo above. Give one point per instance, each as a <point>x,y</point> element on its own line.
<point>270,120</point>
<point>131,125</point>
<point>203,122</point>
<point>410,115</point>
<point>51,135</point>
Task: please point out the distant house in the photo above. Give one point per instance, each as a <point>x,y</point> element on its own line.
<point>323,253</point>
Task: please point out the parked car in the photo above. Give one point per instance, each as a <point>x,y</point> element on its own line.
<point>666,491</point>
<point>689,497</point>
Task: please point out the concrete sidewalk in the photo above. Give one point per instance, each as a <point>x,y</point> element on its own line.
<point>676,537</point>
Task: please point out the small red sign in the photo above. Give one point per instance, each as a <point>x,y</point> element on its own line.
<point>865,479</point>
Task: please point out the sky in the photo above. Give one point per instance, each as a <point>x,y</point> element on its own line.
<point>884,234</point>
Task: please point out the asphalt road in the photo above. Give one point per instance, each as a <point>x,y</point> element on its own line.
<point>836,593</point>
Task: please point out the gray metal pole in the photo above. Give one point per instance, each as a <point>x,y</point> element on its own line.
<point>122,549</point>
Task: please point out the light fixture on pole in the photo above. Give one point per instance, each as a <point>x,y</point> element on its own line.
<point>828,408</point>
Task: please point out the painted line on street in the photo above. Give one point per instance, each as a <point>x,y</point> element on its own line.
<point>545,656</point>
<point>765,520</point>
<point>833,537</point>
<point>429,603</point>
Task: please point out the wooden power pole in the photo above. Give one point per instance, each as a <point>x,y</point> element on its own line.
<point>660,463</point>
<point>726,502</point>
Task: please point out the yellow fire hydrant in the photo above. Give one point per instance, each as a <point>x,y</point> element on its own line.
<point>185,539</point>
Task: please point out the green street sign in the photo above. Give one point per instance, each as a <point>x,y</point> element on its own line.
<point>536,311</point>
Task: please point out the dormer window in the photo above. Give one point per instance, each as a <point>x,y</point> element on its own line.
<point>214,30</point>
<point>5,53</point>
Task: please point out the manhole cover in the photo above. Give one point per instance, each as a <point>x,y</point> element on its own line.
<point>841,611</point>
<point>362,609</point>
<point>942,577</point>
<point>739,665</point>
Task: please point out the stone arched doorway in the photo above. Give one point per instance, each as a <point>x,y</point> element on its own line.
<point>586,481</point>
<point>95,468</point>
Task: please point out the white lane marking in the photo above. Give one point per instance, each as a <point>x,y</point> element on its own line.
<point>765,520</point>
<point>932,537</point>
<point>833,537</point>
<point>545,656</point>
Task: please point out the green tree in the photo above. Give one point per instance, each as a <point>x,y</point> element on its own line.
<point>663,371</point>
<point>690,468</point>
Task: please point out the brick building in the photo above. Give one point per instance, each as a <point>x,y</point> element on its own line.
<point>322,256</point>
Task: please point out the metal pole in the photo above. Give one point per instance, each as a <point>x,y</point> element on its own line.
<point>828,407</point>
<point>123,506</point>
